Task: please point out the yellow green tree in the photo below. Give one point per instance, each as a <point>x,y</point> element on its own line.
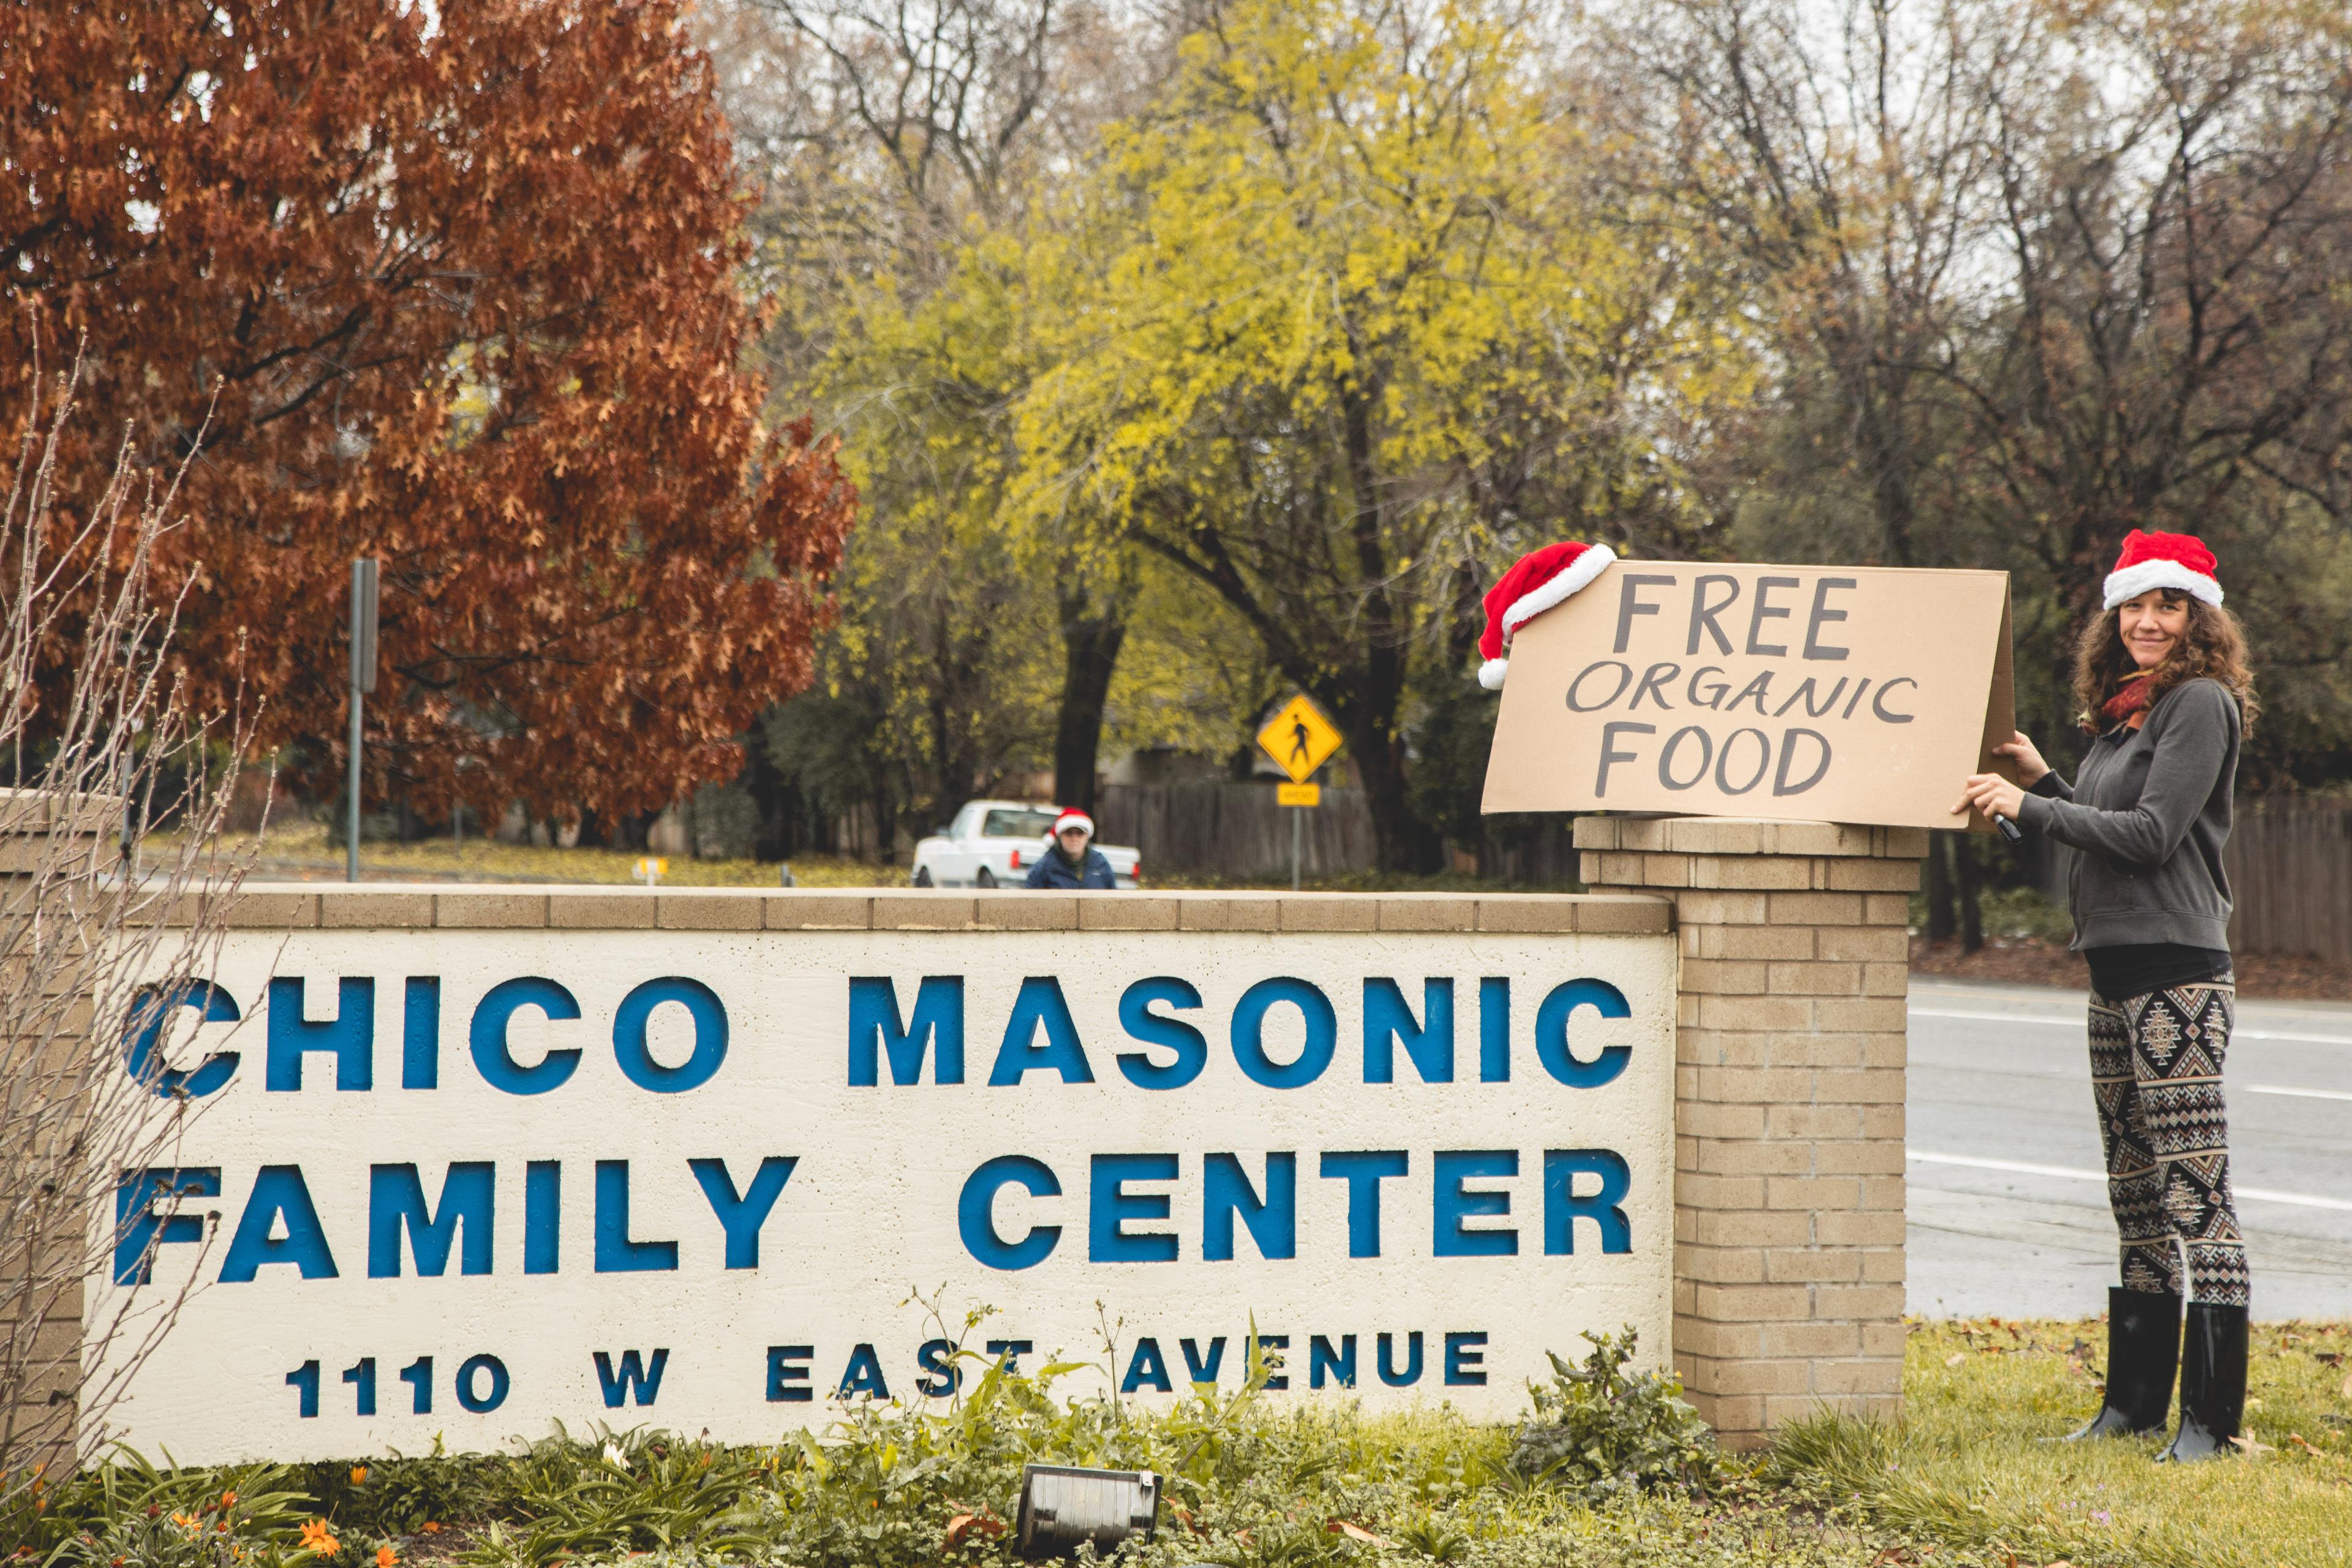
<point>1336,326</point>
<point>945,638</point>
<point>901,150</point>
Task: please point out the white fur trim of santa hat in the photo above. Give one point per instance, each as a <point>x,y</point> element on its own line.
<point>1554,590</point>
<point>1576,574</point>
<point>1071,819</point>
<point>2131,582</point>
<point>2180,562</point>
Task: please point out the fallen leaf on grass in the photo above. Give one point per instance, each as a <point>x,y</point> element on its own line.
<point>2245,1441</point>
<point>1955,1359</point>
<point>2347,1386</point>
<point>1353,1531</point>
<point>963,1525</point>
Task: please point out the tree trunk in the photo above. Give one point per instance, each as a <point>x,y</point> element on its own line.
<point>1971,915</point>
<point>1939,886</point>
<point>1401,841</point>
<point>1092,632</point>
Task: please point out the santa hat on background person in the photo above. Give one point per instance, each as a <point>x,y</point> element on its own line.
<point>2177,560</point>
<point>1073,817</point>
<point>1534,583</point>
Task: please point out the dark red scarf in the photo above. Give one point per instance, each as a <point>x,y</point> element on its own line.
<point>2130,699</point>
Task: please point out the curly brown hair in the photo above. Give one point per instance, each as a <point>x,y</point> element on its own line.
<point>2213,647</point>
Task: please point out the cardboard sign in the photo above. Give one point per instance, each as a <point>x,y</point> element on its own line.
<point>455,1185</point>
<point>1811,693</point>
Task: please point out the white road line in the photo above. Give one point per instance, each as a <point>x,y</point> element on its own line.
<point>2072,1173</point>
<point>2299,1093</point>
<point>2240,1034</point>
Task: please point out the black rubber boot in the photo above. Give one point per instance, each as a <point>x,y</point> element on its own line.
<point>2143,1348</point>
<point>2212,1383</point>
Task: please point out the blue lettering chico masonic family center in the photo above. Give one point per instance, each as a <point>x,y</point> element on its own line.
<point>893,1044</point>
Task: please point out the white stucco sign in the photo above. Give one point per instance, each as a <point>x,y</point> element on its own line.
<point>468,1183</point>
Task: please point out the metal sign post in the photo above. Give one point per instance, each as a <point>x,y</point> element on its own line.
<point>363,598</point>
<point>1300,740</point>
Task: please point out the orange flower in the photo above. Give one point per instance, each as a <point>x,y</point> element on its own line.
<point>386,1557</point>
<point>188,1521</point>
<point>430,1526</point>
<point>359,1475</point>
<point>228,1499</point>
<point>318,1538</point>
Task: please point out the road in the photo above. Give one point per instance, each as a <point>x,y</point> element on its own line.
<point>2008,1207</point>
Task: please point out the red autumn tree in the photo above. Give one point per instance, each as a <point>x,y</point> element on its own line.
<point>454,287</point>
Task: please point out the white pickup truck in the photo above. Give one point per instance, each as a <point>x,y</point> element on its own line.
<point>992,843</point>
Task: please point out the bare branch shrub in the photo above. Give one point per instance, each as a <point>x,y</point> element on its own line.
<point>101,936</point>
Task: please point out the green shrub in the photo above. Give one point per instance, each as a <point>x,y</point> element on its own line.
<point>1246,1484</point>
<point>130,1513</point>
<point>1601,1432</point>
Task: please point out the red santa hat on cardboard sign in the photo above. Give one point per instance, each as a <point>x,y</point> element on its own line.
<point>2177,560</point>
<point>1534,583</point>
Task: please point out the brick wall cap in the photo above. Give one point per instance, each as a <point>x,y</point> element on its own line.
<point>1745,835</point>
<point>616,906</point>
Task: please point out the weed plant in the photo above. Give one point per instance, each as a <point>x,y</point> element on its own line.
<point>1604,1432</point>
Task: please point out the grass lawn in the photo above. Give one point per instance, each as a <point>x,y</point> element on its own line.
<point>1967,1466</point>
<point>1251,1483</point>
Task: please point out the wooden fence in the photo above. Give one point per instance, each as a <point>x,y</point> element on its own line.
<point>1233,829</point>
<point>1221,828</point>
<point>2290,866</point>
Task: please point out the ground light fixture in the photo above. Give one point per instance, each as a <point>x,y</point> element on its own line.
<point>1063,1506</point>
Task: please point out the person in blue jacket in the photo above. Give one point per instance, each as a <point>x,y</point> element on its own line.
<point>1072,862</point>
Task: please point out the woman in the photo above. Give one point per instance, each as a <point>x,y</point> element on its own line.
<point>2161,675</point>
<point>1069,863</point>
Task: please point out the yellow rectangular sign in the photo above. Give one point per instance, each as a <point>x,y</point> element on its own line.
<point>1298,795</point>
<point>1836,693</point>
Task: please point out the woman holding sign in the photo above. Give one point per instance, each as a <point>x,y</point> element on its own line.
<point>2161,675</point>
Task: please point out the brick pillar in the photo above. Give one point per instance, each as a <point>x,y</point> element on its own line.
<point>1790,1048</point>
<point>42,841</point>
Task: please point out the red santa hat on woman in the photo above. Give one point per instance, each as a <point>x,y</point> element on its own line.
<point>1073,817</point>
<point>1534,583</point>
<point>2177,560</point>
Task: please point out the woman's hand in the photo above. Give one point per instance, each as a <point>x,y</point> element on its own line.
<point>2030,765</point>
<point>1992,794</point>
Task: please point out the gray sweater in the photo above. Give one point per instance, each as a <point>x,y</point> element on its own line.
<point>2147,824</point>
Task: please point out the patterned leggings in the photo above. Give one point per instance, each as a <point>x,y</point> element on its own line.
<point>2156,1072</point>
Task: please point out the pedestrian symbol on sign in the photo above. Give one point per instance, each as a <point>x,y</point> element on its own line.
<point>1300,738</point>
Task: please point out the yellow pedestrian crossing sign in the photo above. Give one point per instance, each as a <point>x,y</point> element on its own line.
<point>1299,739</point>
